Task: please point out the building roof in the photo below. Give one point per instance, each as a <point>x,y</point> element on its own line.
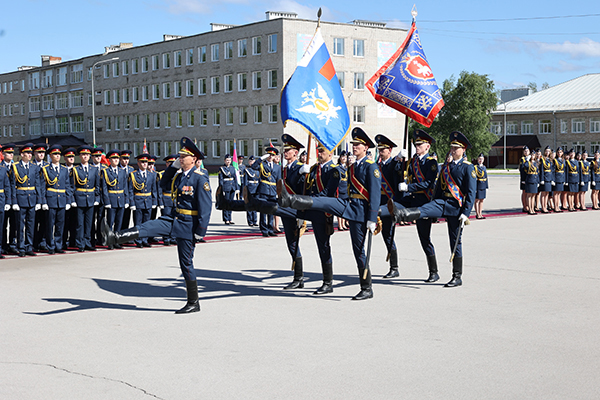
<point>579,94</point>
<point>518,141</point>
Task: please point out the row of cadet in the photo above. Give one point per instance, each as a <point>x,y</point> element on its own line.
<point>557,180</point>
<point>50,207</point>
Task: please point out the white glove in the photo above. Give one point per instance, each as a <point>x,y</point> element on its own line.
<point>553,183</point>
<point>304,169</point>
<point>38,206</point>
<point>300,222</point>
<point>593,183</point>
<point>197,237</point>
<point>6,207</point>
<point>96,203</point>
<point>463,218</point>
<point>67,206</point>
<point>45,207</point>
<point>132,208</point>
<point>542,182</point>
<point>371,225</point>
<point>16,207</point>
<point>264,156</point>
<point>402,186</point>
<point>403,153</point>
<point>236,194</point>
<point>523,182</point>
<point>176,164</point>
<point>162,207</point>
<point>153,206</point>
<point>581,184</point>
<point>74,204</point>
<point>126,205</point>
<point>108,206</point>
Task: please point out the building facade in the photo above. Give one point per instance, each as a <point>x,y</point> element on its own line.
<point>215,87</point>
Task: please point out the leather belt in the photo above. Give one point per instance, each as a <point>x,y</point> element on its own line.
<point>26,188</point>
<point>85,190</point>
<point>269,183</point>
<point>186,212</point>
<point>142,194</point>
<point>56,190</point>
<point>116,191</point>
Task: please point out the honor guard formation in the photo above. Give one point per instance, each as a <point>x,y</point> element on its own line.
<point>54,207</point>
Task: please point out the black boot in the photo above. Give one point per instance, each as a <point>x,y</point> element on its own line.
<point>366,291</point>
<point>327,286</point>
<point>456,273</point>
<point>295,201</point>
<point>192,305</point>
<point>393,272</point>
<point>433,271</point>
<point>298,282</point>
<point>120,237</point>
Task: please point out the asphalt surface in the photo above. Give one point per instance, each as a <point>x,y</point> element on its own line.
<point>523,325</point>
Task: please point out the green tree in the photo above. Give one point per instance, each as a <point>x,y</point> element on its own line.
<point>468,104</point>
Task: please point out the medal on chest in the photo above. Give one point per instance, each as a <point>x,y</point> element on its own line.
<point>187,190</point>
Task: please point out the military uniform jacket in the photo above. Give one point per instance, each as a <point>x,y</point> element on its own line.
<point>101,167</point>
<point>268,177</point>
<point>343,186</point>
<point>324,180</point>
<point>192,201</point>
<point>86,185</point>
<point>546,170</point>
<point>59,191</point>
<point>27,183</point>
<point>364,187</point>
<point>481,173</point>
<point>228,178</point>
<point>463,177</point>
<point>584,171</point>
<point>595,172</point>
<point>142,190</point>
<point>115,187</point>
<point>572,170</point>
<point>5,187</point>
<point>389,179</point>
<point>531,171</point>
<point>250,180</point>
<point>164,198</point>
<point>559,170</point>
<point>293,179</point>
<point>421,175</point>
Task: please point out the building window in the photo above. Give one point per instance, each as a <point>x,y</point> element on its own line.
<point>136,122</point>
<point>216,84</point>
<point>126,121</point>
<point>47,102</point>
<point>202,54</point>
<point>203,117</point>
<point>190,118</point>
<point>178,89</point>
<point>156,91</point>
<point>34,127</point>
<point>564,126</point>
<point>117,96</point>
<point>157,121</point>
<point>189,87</point>
<point>512,128</point>
<point>34,81</point>
<point>77,99</point>
<point>258,147</point>
<point>243,115</point>
<point>594,125</point>
<point>258,114</point>
<point>62,125</point>
<point>62,76</point>
<point>545,127</point>
<point>216,149</point>
<point>228,83</point>
<point>272,79</point>
<point>359,114</point>
<point>47,78</point>
<point>228,50</point>
<point>125,95</point>
<point>167,120</point>
<point>178,119</point>
<point>178,58</point>
<point>272,113</point>
<point>341,78</point>
<point>106,97</point>
<point>106,71</point>
<point>125,68</point>
<point>256,45</point>
<point>272,43</point>
<point>242,82</point>
<point>189,56</point>
<point>62,100</point>
<point>155,62</point>
<point>242,48</point>
<point>256,80</point>
<point>48,126</point>
<point>214,51</point>
<point>145,93</point>
<point>359,48</point>
<point>145,64</point>
<point>229,116</point>
<point>496,128</point>
<point>338,46</point>
<point>166,60</point>
<point>117,124</point>
<point>527,127</point>
<point>578,146</point>
<point>578,125</point>
<point>77,124</point>
<point>594,146</point>
<point>201,86</point>
<point>109,123</point>
<point>216,117</point>
<point>115,69</point>
<point>359,80</point>
<point>135,66</point>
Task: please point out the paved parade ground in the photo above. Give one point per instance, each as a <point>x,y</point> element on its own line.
<point>523,325</point>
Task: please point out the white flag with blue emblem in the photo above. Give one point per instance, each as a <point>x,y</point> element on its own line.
<point>313,97</point>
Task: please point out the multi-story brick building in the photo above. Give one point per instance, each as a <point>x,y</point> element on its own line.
<point>215,87</point>
<point>566,115</point>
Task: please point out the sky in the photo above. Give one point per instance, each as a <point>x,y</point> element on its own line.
<point>513,42</point>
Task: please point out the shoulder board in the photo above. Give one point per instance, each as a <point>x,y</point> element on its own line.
<point>46,166</point>
<point>199,172</point>
<point>334,165</point>
<point>369,161</point>
<point>430,158</point>
<point>466,162</point>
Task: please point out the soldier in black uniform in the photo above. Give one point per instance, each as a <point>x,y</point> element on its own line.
<point>99,210</point>
<point>229,185</point>
<point>249,185</point>
<point>124,164</point>
<point>9,243</point>
<point>41,215</point>
<point>70,229</point>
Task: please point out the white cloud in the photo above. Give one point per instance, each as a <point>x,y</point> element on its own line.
<point>585,48</point>
<point>183,7</point>
<point>563,66</point>
<point>396,23</point>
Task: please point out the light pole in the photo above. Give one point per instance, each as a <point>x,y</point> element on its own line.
<point>94,98</point>
<point>505,135</point>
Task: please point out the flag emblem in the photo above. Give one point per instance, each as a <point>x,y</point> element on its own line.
<point>319,104</point>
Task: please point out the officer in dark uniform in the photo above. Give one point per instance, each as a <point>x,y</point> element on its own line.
<point>387,167</point>
<point>85,179</point>
<point>166,196</point>
<point>453,199</point>
<point>558,185</point>
<point>41,215</point>
<point>482,186</point>
<point>159,205</point>
<point>595,180</point>
<point>361,209</point>
<point>189,220</point>
<point>229,185</point>
<point>5,198</point>
<point>250,184</point>
<point>143,194</point>
<point>269,174</point>
<point>417,190</point>
<point>584,179</point>
<point>59,194</point>
<point>27,198</point>
<point>546,178</point>
<point>99,210</point>
<point>115,192</point>
<point>124,165</point>
<point>526,156</point>
<point>572,170</point>
<point>70,229</point>
<point>9,243</point>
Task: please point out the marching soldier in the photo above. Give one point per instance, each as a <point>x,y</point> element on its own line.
<point>361,209</point>
<point>70,229</point>
<point>27,197</point>
<point>5,198</point>
<point>269,174</point>
<point>482,186</point>
<point>418,191</point>
<point>9,243</point>
<point>188,221</point>
<point>115,192</point>
<point>85,180</point>
<point>58,199</point>
<point>250,184</point>
<point>229,185</point>
<point>453,199</point>
<point>41,215</point>
<point>124,165</point>
<point>142,191</point>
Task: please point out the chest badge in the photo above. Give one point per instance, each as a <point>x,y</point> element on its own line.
<point>376,173</point>
<point>187,190</point>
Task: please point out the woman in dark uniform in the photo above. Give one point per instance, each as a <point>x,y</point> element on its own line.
<point>584,179</point>
<point>343,187</point>
<point>522,161</point>
<point>558,193</point>
<point>595,179</point>
<point>531,170</point>
<point>572,172</point>
<point>482,186</point>
<point>546,179</point>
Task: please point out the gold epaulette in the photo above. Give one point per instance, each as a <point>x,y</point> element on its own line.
<point>466,162</point>
<point>370,161</point>
<point>430,158</point>
<point>334,165</point>
<point>199,172</point>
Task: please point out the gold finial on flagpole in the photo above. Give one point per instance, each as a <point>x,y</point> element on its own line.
<point>319,17</point>
<point>414,13</point>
